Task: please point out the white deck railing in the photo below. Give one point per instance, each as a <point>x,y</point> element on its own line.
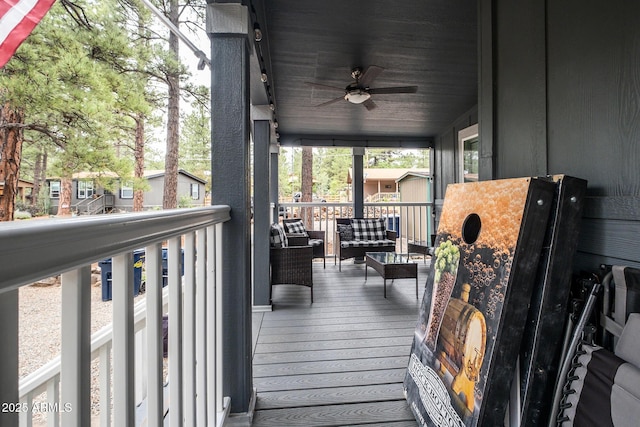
<point>412,220</point>
<point>130,350</point>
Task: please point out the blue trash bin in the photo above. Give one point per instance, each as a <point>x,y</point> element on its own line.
<point>165,266</point>
<point>393,223</point>
<point>106,274</point>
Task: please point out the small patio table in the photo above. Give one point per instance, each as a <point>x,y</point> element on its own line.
<point>392,265</point>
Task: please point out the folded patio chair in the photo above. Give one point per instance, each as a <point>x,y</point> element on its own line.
<point>292,265</point>
<point>602,387</point>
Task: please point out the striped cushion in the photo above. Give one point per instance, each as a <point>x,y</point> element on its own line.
<point>316,242</point>
<point>277,238</point>
<point>366,243</point>
<point>345,231</point>
<point>368,229</point>
<point>295,227</point>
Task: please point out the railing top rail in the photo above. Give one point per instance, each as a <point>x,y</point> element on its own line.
<point>347,204</point>
<point>32,250</point>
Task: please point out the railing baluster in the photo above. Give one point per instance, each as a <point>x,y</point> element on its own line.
<point>189,328</point>
<point>53,398</point>
<point>211,327</point>
<point>175,331</point>
<point>26,413</point>
<point>9,355</point>
<point>201,328</point>
<point>153,263</point>
<point>75,364</point>
<point>220,407</point>
<point>123,348</point>
<point>105,385</point>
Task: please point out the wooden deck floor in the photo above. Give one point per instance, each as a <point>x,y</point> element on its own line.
<point>341,360</point>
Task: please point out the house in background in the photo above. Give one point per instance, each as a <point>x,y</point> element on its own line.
<point>381,185</point>
<point>89,197</point>
<point>24,193</point>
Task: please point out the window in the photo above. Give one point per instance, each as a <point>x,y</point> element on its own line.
<point>195,191</point>
<point>126,190</point>
<point>54,189</point>
<point>468,154</point>
<point>85,189</point>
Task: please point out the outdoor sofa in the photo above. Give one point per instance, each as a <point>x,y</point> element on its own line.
<point>357,236</point>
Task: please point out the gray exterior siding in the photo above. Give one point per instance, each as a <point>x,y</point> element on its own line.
<point>152,197</point>
<point>560,94</point>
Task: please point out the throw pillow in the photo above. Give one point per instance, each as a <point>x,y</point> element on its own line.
<point>295,227</point>
<point>277,237</point>
<point>368,229</point>
<point>345,232</point>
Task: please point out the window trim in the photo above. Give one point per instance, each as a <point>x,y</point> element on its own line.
<point>87,191</point>
<point>195,196</point>
<point>126,187</point>
<point>54,194</point>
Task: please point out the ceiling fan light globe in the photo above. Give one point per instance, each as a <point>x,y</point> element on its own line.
<point>357,96</point>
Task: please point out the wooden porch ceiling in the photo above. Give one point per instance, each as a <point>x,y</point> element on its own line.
<point>431,44</point>
<point>340,360</point>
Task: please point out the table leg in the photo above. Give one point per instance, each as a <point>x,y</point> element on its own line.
<point>385,288</point>
<point>416,286</point>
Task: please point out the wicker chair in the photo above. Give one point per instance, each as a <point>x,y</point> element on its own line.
<point>345,251</point>
<point>316,240</point>
<point>292,265</point>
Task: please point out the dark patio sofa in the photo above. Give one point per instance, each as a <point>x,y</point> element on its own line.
<point>366,235</point>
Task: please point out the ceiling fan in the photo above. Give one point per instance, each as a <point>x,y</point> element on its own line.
<point>359,91</point>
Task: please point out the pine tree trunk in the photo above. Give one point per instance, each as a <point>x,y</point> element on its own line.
<point>37,172</point>
<point>11,152</point>
<point>39,177</point>
<point>64,203</point>
<point>138,155</point>
<point>307,184</point>
<point>170,196</point>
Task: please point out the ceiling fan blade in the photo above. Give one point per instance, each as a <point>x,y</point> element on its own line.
<point>340,98</point>
<point>400,89</point>
<point>322,86</point>
<point>369,104</point>
<point>370,75</point>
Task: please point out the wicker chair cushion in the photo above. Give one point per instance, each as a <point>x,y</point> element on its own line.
<point>368,229</point>
<point>316,242</point>
<point>366,243</point>
<point>295,227</point>
<point>345,231</point>
<point>277,237</point>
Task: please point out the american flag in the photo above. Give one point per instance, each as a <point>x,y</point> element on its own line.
<point>18,18</point>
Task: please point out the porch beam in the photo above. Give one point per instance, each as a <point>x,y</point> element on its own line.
<point>299,140</point>
<point>228,28</point>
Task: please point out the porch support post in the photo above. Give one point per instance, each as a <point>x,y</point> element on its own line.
<point>261,215</point>
<point>358,182</point>
<point>274,191</point>
<point>228,28</point>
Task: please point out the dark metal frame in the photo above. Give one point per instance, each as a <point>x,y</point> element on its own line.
<point>392,270</point>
